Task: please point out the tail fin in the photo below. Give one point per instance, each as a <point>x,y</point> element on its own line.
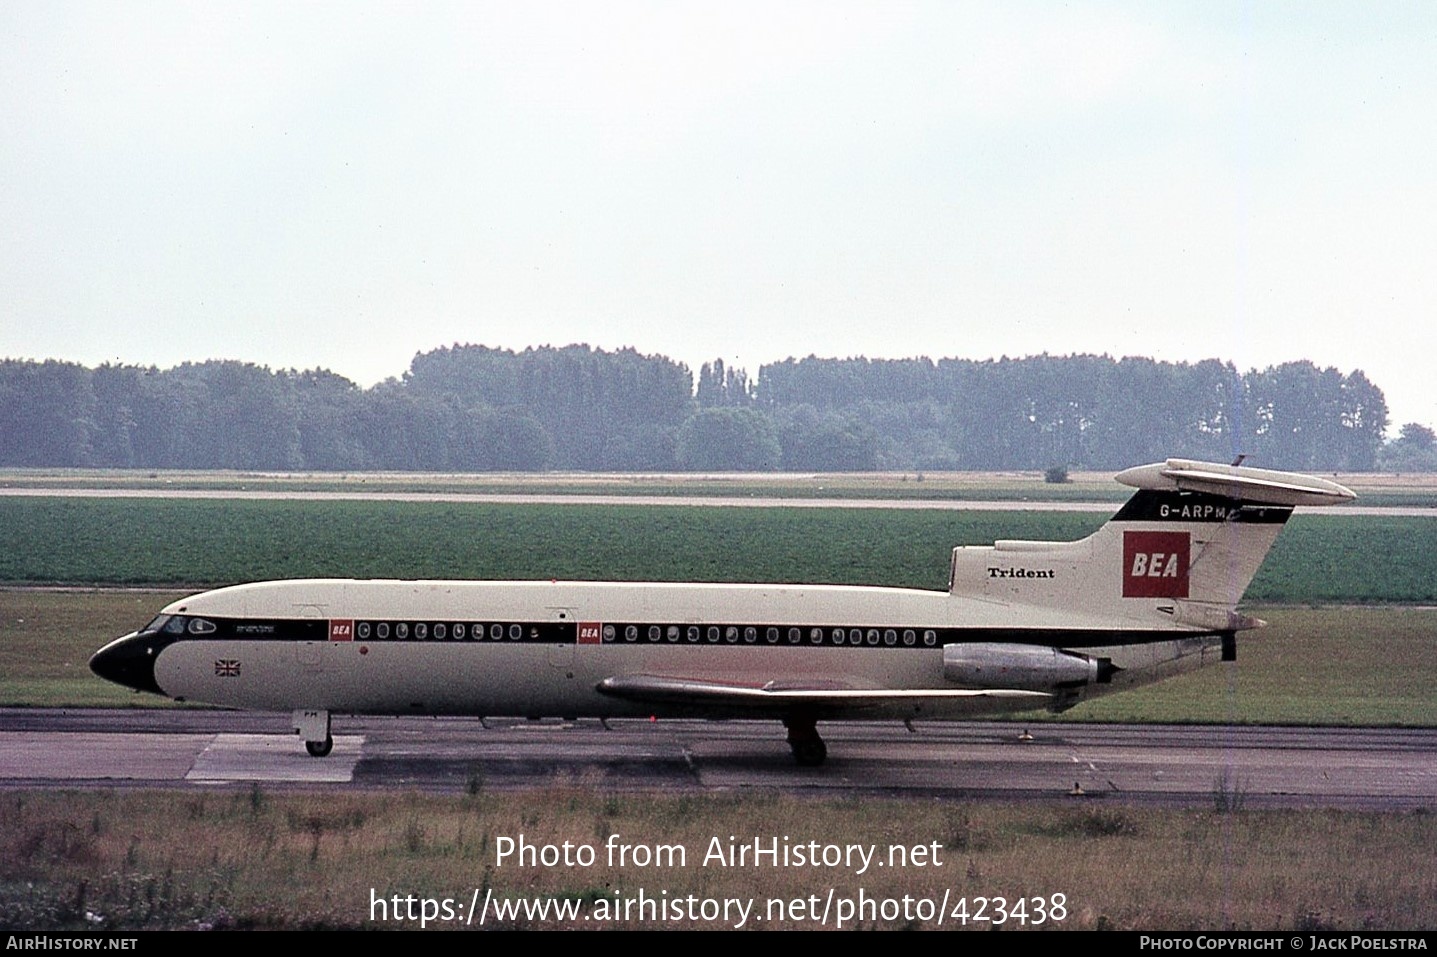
<point>1184,548</point>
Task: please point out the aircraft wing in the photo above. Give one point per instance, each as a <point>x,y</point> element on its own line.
<point>772,695</point>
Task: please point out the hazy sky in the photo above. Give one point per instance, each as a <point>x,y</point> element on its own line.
<point>344,185</point>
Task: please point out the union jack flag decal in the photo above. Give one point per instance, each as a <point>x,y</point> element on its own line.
<point>227,668</point>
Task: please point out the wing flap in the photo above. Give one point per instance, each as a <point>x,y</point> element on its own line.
<point>662,689</point>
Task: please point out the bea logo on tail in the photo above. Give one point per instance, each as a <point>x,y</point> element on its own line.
<point>1155,564</point>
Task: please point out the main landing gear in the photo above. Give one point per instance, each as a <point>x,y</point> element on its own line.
<point>313,726</point>
<point>808,748</point>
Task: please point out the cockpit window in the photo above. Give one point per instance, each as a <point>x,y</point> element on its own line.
<point>199,626</point>
<point>175,626</point>
<point>155,625</point>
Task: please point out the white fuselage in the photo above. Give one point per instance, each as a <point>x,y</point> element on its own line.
<point>546,646</point>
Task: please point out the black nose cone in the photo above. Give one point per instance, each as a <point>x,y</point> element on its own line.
<point>129,661</point>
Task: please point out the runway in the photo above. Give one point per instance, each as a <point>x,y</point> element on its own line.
<point>1197,766</point>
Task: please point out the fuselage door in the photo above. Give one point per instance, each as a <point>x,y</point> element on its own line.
<point>310,654</point>
<point>561,654</point>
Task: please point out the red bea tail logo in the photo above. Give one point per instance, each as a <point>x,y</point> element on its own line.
<point>1155,564</point>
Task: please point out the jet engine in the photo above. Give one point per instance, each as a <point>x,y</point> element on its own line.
<point>1021,667</point>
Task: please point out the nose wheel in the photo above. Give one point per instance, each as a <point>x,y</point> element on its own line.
<point>313,726</point>
<point>320,749</point>
<point>808,748</point>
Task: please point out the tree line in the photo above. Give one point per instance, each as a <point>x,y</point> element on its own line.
<point>473,408</point>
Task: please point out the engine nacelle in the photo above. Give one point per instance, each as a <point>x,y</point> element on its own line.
<point>1020,667</point>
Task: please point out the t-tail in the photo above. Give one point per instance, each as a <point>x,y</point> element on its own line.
<point>1179,555</point>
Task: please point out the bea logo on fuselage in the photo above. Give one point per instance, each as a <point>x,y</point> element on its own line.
<point>1155,564</point>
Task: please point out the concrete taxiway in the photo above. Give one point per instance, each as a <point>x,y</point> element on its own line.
<point>1385,769</point>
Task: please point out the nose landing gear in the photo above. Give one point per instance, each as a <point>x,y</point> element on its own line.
<point>314,727</point>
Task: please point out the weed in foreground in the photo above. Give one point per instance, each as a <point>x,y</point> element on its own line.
<point>1229,793</point>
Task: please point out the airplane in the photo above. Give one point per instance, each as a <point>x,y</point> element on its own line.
<point>1023,625</point>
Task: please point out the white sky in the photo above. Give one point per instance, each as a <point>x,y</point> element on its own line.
<point>344,185</point>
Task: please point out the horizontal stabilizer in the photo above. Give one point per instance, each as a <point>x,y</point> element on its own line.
<point>659,689</point>
<point>1237,482</point>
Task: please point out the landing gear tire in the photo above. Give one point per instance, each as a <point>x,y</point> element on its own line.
<point>320,749</point>
<point>810,754</point>
<point>808,748</point>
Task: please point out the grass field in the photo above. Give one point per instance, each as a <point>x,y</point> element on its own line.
<point>117,541</point>
<point>1318,558</point>
<point>47,637</point>
<point>253,859</point>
